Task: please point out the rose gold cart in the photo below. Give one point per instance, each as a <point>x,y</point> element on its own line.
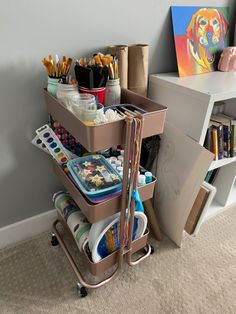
<point>95,138</point>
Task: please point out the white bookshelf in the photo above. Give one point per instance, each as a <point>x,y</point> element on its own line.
<point>190,101</point>
<point>221,162</point>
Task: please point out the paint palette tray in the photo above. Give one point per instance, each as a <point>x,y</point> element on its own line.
<point>52,143</point>
<point>98,137</point>
<point>94,175</point>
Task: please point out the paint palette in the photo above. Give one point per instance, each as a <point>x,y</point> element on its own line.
<point>52,143</point>
<point>39,143</point>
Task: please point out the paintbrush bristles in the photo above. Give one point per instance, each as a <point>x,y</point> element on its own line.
<point>55,68</point>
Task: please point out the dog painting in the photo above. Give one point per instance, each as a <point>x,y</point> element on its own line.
<point>200,35</point>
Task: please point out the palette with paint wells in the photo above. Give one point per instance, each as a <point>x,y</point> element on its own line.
<point>39,143</point>
<point>52,143</point>
<point>94,175</point>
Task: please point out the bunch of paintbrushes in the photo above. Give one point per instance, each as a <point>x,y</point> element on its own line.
<point>57,69</point>
<point>98,68</point>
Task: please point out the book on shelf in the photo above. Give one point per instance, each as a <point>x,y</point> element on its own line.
<point>226,122</point>
<point>233,138</point>
<point>208,139</point>
<point>196,210</point>
<point>217,140</point>
<point>211,175</point>
<point>232,133</point>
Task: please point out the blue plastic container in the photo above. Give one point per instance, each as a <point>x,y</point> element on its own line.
<point>94,175</point>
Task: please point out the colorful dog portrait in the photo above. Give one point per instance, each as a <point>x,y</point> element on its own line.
<point>200,35</point>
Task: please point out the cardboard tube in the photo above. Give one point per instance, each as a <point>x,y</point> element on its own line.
<point>121,52</point>
<point>152,219</point>
<point>138,69</point>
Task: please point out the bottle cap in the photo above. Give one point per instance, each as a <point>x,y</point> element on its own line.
<point>118,163</point>
<point>141,179</point>
<point>121,158</point>
<point>120,169</point>
<point>148,177</point>
<point>113,159</point>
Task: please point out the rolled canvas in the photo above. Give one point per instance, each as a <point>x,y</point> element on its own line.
<point>138,68</point>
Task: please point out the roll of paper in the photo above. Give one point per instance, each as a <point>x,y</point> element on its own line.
<point>121,52</point>
<point>80,227</point>
<point>138,68</point>
<point>152,219</point>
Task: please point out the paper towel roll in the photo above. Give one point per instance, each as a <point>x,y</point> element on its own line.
<point>121,52</point>
<point>138,68</point>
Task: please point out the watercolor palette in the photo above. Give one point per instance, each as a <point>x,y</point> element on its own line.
<point>54,146</point>
<point>39,143</point>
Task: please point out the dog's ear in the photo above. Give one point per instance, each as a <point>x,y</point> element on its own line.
<point>191,29</point>
<point>224,25</point>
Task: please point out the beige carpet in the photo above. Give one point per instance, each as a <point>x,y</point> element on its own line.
<point>198,278</point>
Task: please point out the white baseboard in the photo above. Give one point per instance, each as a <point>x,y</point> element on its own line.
<point>27,228</point>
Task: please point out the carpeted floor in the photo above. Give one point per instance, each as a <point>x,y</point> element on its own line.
<point>198,278</point>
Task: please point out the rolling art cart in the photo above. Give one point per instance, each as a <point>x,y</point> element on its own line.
<point>95,138</point>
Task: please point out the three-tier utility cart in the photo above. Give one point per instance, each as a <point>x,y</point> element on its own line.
<point>96,138</point>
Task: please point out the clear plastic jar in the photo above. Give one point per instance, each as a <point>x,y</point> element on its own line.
<point>84,107</point>
<point>112,92</point>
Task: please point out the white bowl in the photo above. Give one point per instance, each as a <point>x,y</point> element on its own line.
<point>105,225</point>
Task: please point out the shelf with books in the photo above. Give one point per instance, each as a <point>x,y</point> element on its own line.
<point>192,102</point>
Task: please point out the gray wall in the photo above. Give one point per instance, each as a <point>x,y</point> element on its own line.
<point>30,30</point>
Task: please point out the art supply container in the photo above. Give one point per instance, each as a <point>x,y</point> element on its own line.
<point>121,158</point>
<point>67,93</point>
<point>94,175</point>
<point>99,93</point>
<point>84,107</point>
<point>148,177</point>
<point>112,92</point>
<point>52,86</point>
<point>141,180</point>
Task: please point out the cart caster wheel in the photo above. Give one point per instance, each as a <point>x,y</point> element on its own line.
<point>152,250</point>
<point>54,240</point>
<point>146,250</point>
<point>82,290</point>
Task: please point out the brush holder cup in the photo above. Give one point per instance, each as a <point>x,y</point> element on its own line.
<point>52,85</point>
<point>66,93</point>
<point>112,92</point>
<point>99,93</point>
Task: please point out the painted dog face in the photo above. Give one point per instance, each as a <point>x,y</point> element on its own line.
<point>207,27</point>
